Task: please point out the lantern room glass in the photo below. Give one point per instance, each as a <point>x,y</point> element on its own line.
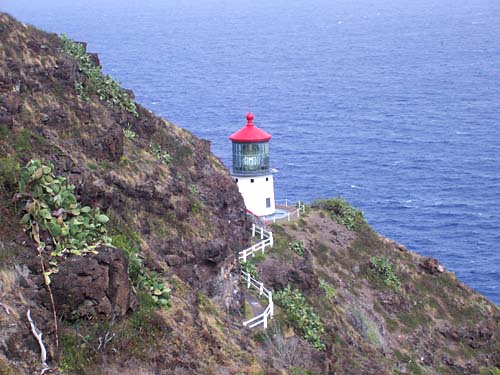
<point>250,158</point>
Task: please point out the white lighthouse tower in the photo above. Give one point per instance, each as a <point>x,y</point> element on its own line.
<point>251,168</point>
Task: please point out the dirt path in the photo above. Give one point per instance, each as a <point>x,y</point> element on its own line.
<point>254,302</point>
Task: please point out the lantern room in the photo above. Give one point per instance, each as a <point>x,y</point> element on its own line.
<point>251,169</point>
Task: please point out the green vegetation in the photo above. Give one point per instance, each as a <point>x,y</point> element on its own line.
<point>96,82</point>
<point>384,268</point>
<point>162,156</point>
<point>129,133</point>
<point>489,371</point>
<point>9,172</point>
<point>84,341</point>
<point>142,278</point>
<point>51,205</point>
<point>341,212</point>
<point>301,315</point>
<point>76,354</point>
<point>297,247</point>
<point>193,189</point>
<point>327,289</point>
<point>206,305</point>
<point>249,267</point>
<point>415,368</point>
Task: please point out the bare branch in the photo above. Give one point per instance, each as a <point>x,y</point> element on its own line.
<point>38,336</point>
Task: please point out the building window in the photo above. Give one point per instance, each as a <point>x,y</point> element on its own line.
<point>251,180</point>
<point>268,202</point>
<point>267,178</point>
<point>236,180</point>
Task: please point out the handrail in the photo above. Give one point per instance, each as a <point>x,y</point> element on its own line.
<point>256,219</point>
<point>267,240</point>
<point>269,310</point>
<point>301,207</point>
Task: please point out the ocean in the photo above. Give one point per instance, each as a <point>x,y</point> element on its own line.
<point>393,105</point>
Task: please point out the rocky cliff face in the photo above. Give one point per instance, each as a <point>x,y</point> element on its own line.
<point>188,212</point>
<point>160,185</point>
<point>367,305</point>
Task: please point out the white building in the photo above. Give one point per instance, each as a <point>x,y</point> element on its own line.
<point>251,168</point>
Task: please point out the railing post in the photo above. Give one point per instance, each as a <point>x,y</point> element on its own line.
<point>261,289</point>
<point>289,216</point>
<point>248,280</point>
<point>253,230</point>
<point>262,246</point>
<point>261,233</point>
<point>271,243</point>
<point>271,304</point>
<point>286,202</point>
<point>244,256</point>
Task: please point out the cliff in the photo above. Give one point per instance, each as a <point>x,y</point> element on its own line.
<point>140,253</point>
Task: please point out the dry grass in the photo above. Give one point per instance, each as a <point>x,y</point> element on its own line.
<point>8,281</point>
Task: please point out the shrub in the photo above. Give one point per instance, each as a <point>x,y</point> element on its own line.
<point>51,206</point>
<point>161,155</point>
<point>341,212</point>
<point>489,371</point>
<point>9,172</point>
<point>301,315</point>
<point>104,86</point>
<point>129,133</point>
<point>140,276</point>
<point>327,289</point>
<point>76,354</point>
<point>384,268</point>
<point>297,247</point>
<point>250,268</point>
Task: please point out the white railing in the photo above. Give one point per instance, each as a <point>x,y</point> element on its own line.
<point>301,208</point>
<point>256,220</point>
<point>267,240</point>
<point>269,310</point>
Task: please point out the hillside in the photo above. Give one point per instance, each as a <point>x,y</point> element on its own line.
<point>120,233</point>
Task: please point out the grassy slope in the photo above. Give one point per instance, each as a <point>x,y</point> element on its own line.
<point>431,324</point>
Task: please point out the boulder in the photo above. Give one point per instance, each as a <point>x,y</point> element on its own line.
<point>92,286</point>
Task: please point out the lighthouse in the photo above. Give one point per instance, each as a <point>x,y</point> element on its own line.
<point>251,169</point>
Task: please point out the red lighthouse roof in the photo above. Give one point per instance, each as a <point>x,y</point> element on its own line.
<point>250,133</point>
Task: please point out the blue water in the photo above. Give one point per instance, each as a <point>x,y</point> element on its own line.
<point>395,105</point>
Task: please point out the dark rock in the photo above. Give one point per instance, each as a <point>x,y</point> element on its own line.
<point>174,260</point>
<point>129,92</point>
<point>93,285</point>
<point>278,275</point>
<point>108,147</point>
<point>432,266</point>
<point>94,57</point>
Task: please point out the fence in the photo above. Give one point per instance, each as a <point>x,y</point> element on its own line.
<point>267,240</point>
<point>269,310</point>
<point>300,207</point>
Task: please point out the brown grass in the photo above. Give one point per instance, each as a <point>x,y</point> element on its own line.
<point>8,281</point>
